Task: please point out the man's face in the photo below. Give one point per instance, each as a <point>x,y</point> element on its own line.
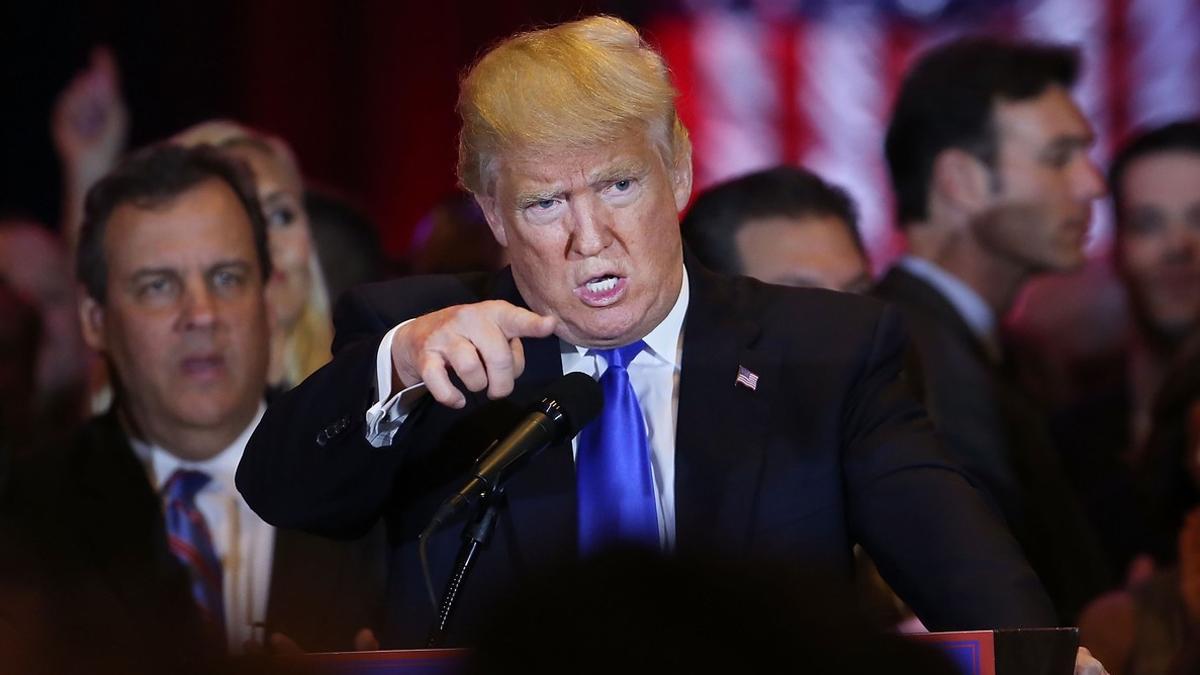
<point>808,251</point>
<point>1158,242</point>
<point>185,322</point>
<point>1044,184</point>
<point>593,236</point>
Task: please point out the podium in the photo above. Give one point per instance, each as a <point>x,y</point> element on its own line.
<point>395,662</point>
<point>1032,651</point>
<point>1035,651</point>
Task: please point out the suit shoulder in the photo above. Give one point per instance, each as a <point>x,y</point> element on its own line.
<point>809,307</point>
<point>417,294</point>
<point>372,309</point>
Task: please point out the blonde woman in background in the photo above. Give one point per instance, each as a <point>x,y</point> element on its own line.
<point>299,302</point>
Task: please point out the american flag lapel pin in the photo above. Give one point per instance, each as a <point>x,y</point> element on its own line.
<point>746,378</point>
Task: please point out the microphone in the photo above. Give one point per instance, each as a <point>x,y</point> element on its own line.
<point>567,406</point>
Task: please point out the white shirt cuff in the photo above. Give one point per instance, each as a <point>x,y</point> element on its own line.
<point>390,410</point>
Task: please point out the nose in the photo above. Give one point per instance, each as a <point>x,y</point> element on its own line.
<point>1090,183</point>
<point>1183,241</point>
<point>592,231</point>
<point>199,308</point>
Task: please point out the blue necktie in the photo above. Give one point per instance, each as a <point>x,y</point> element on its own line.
<point>192,544</point>
<point>612,465</point>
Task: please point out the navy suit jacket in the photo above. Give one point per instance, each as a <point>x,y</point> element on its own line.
<point>1000,437</point>
<point>830,449</point>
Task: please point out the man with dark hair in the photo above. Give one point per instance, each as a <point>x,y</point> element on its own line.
<point>988,158</point>
<point>172,262</point>
<point>1155,185</point>
<point>783,226</point>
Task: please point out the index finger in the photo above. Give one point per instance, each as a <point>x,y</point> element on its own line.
<point>517,322</point>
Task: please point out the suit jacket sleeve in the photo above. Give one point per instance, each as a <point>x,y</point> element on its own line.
<point>931,532</point>
<point>308,465</point>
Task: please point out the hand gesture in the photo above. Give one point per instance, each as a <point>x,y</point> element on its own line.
<point>481,343</point>
<point>90,123</point>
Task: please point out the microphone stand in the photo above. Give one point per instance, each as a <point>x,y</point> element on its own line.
<point>476,533</point>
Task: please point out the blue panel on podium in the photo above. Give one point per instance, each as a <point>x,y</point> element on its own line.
<point>404,662</point>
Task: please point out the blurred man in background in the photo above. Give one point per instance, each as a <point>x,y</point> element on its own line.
<point>783,226</point>
<point>988,159</point>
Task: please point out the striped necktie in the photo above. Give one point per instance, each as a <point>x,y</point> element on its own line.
<point>612,465</point>
<point>192,544</point>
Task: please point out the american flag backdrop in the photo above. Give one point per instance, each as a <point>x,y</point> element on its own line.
<point>774,81</point>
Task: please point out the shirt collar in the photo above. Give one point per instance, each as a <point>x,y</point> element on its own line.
<point>977,314</point>
<point>160,463</point>
<point>663,340</point>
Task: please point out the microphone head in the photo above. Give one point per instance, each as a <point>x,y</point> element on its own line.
<point>575,398</point>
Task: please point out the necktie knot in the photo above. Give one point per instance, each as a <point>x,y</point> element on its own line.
<point>184,485</point>
<point>620,357</point>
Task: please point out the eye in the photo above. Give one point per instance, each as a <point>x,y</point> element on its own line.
<point>1058,159</point>
<point>226,279</point>
<point>156,289</point>
<point>1144,222</point>
<point>542,211</point>
<point>621,191</point>
<point>281,216</point>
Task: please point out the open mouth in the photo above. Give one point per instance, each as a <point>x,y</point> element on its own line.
<point>203,367</point>
<point>602,290</point>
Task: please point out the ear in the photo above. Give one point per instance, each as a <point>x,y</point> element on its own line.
<point>487,204</point>
<point>91,320</point>
<point>961,180</point>
<point>681,177</point>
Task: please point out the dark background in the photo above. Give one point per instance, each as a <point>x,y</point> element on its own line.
<point>364,91</point>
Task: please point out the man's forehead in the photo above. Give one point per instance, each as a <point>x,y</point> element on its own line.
<point>177,235</point>
<point>1051,116</point>
<point>548,166</point>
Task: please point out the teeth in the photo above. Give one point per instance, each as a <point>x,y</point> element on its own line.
<point>602,285</point>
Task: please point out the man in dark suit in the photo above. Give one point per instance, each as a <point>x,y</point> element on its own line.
<point>988,158</point>
<point>172,261</point>
<point>769,422</point>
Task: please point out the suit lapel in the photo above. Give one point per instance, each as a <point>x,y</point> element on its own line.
<point>721,425</point>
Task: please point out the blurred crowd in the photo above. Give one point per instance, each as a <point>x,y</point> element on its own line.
<point>192,280</point>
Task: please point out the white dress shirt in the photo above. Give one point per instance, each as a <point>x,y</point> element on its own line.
<point>244,542</point>
<point>654,373</point>
<point>973,309</point>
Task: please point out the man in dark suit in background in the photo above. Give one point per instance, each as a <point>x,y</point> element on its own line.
<point>766,421</point>
<point>172,262</point>
<point>988,158</point>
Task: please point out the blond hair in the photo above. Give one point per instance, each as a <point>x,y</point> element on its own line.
<point>578,84</point>
<point>307,342</point>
